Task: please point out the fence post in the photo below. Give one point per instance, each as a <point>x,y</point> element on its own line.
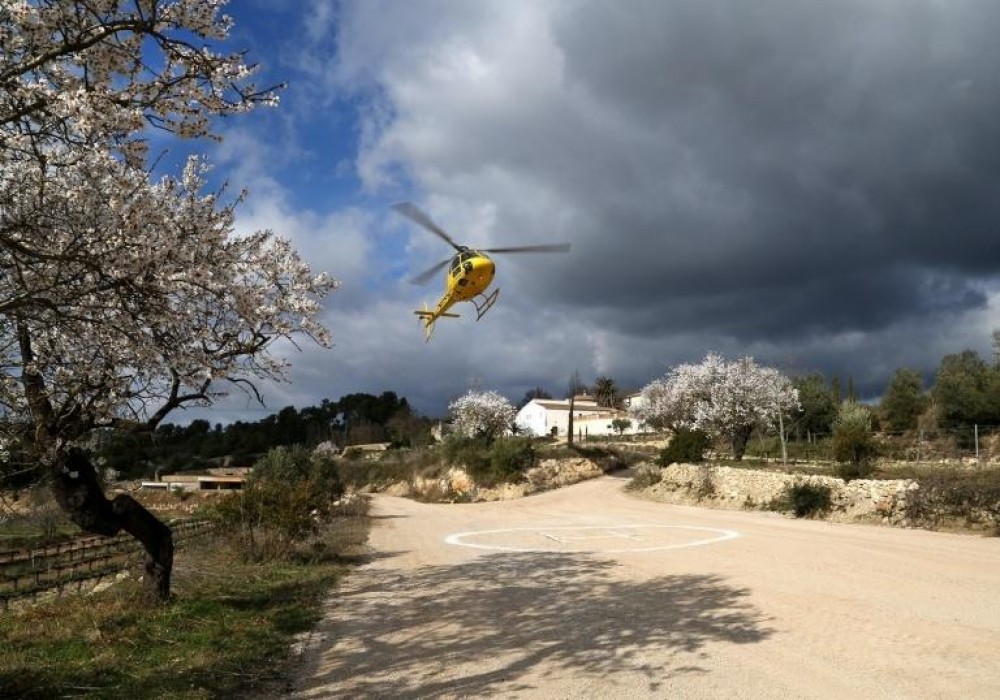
<point>976,429</point>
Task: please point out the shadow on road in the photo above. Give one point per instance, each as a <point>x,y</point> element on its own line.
<point>464,628</point>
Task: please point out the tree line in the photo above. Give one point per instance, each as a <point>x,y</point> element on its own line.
<point>353,419</point>
<point>964,393</point>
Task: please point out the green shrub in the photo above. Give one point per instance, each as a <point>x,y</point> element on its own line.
<point>509,458</point>
<point>686,446</point>
<point>620,425</point>
<point>804,499</point>
<point>469,452</point>
<point>854,445</point>
<point>609,459</point>
<point>392,467</point>
<point>286,498</point>
<point>504,460</point>
<point>849,471</point>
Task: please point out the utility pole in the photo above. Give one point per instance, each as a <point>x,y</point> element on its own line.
<point>575,385</point>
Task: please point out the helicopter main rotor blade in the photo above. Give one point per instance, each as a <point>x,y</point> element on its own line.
<point>414,214</point>
<point>428,274</point>
<point>545,248</point>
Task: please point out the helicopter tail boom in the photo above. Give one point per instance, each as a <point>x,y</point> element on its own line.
<point>429,317</point>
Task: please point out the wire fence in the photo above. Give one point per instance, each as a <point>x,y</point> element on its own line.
<point>72,565</point>
<point>968,446</point>
<point>974,445</point>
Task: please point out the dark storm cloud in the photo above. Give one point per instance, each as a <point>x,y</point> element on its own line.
<point>810,167</point>
<point>859,301</point>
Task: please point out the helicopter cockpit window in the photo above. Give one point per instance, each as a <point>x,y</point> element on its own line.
<point>460,262</point>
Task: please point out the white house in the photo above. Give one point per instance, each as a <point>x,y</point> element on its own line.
<point>633,400</point>
<point>551,417</point>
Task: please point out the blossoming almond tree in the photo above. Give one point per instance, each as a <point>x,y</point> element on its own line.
<point>725,399</point>
<point>123,298</point>
<point>482,414</point>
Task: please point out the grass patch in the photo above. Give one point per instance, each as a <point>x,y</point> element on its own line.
<point>228,630</point>
<point>391,467</point>
<point>36,522</point>
<point>768,447</point>
<point>17,534</point>
<point>803,469</point>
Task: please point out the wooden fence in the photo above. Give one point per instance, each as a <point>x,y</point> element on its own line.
<point>71,565</point>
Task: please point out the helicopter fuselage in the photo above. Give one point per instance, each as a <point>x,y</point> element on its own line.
<point>470,272</point>
<point>469,275</point>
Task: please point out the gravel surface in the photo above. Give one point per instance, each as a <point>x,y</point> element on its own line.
<point>589,592</point>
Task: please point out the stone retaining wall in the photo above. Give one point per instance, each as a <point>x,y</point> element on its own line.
<point>861,500</point>
<point>457,485</point>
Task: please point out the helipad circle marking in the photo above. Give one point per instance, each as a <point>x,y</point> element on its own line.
<point>723,535</point>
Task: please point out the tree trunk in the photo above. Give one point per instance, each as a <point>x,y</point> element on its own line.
<point>781,432</point>
<point>740,438</point>
<point>80,495</point>
<point>569,432</point>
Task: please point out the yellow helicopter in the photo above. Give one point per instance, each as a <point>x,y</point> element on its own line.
<point>470,271</point>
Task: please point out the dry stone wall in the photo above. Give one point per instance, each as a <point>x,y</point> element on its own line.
<point>861,500</point>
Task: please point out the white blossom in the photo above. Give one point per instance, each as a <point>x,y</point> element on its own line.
<point>482,414</point>
<point>85,71</point>
<point>725,399</point>
<point>122,296</point>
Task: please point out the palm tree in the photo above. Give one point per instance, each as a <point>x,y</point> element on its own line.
<point>606,392</point>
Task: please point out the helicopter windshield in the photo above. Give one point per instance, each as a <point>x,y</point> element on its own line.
<point>456,262</point>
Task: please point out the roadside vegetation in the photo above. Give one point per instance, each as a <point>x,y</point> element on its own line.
<point>733,414</point>
<point>952,494</point>
<point>228,629</point>
<point>480,465</point>
<point>240,595</point>
<point>948,497</point>
<point>804,500</point>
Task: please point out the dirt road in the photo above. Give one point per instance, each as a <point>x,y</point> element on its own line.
<point>588,592</point>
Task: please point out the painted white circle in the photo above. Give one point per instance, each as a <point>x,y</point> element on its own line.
<point>598,538</point>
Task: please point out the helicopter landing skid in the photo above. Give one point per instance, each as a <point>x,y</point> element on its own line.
<point>484,303</point>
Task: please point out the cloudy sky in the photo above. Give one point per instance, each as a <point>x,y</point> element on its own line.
<point>814,183</point>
